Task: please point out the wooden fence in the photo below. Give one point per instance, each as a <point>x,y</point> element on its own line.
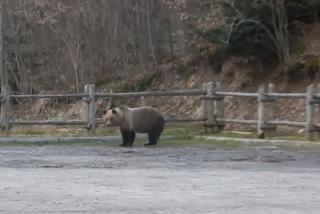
<point>212,102</point>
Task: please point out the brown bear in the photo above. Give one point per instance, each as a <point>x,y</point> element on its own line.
<point>131,120</point>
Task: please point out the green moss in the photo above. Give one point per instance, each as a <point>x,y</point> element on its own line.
<point>140,85</point>
<point>297,47</point>
<point>182,70</point>
<point>308,67</point>
<point>313,63</point>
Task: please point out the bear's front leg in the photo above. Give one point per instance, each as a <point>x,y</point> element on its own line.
<point>127,138</point>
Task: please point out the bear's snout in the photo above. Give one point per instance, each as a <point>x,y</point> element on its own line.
<point>108,124</point>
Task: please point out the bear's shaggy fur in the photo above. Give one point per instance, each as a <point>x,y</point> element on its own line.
<point>131,120</point>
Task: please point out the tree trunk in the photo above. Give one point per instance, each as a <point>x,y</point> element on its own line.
<point>150,32</point>
<point>3,75</point>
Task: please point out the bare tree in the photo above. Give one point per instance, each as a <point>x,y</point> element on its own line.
<point>66,44</point>
<point>3,75</point>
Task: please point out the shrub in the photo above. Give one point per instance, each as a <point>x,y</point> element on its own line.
<point>255,28</point>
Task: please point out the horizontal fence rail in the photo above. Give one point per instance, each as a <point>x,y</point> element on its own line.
<point>153,94</point>
<point>238,121</point>
<point>287,123</point>
<point>236,94</point>
<point>168,120</point>
<point>39,96</point>
<point>212,99</point>
<point>83,122</point>
<point>49,122</point>
<point>179,120</point>
<point>288,95</point>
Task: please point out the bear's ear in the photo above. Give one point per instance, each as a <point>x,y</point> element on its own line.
<point>114,111</point>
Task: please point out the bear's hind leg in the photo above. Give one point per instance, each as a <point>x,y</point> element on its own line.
<point>155,133</point>
<point>132,138</point>
<point>154,137</point>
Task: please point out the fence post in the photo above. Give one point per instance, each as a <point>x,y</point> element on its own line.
<point>91,108</point>
<point>211,120</point>
<point>310,112</point>
<point>219,107</point>
<point>261,119</point>
<point>204,108</point>
<point>269,111</point>
<point>5,106</point>
<point>109,104</point>
<point>142,101</point>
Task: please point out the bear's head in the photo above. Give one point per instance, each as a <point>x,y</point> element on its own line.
<point>112,117</point>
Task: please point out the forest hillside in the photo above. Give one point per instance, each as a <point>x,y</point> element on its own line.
<point>138,45</point>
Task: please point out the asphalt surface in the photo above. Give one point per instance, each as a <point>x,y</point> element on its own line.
<point>180,179</point>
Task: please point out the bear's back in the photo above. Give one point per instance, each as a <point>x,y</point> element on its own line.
<point>144,119</point>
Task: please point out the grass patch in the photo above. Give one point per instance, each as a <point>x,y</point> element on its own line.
<point>291,138</point>
<point>182,131</point>
<point>172,136</point>
<point>199,130</point>
<point>61,131</point>
<point>236,134</point>
<point>67,131</point>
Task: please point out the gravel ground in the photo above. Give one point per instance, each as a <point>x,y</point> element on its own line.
<point>108,179</point>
